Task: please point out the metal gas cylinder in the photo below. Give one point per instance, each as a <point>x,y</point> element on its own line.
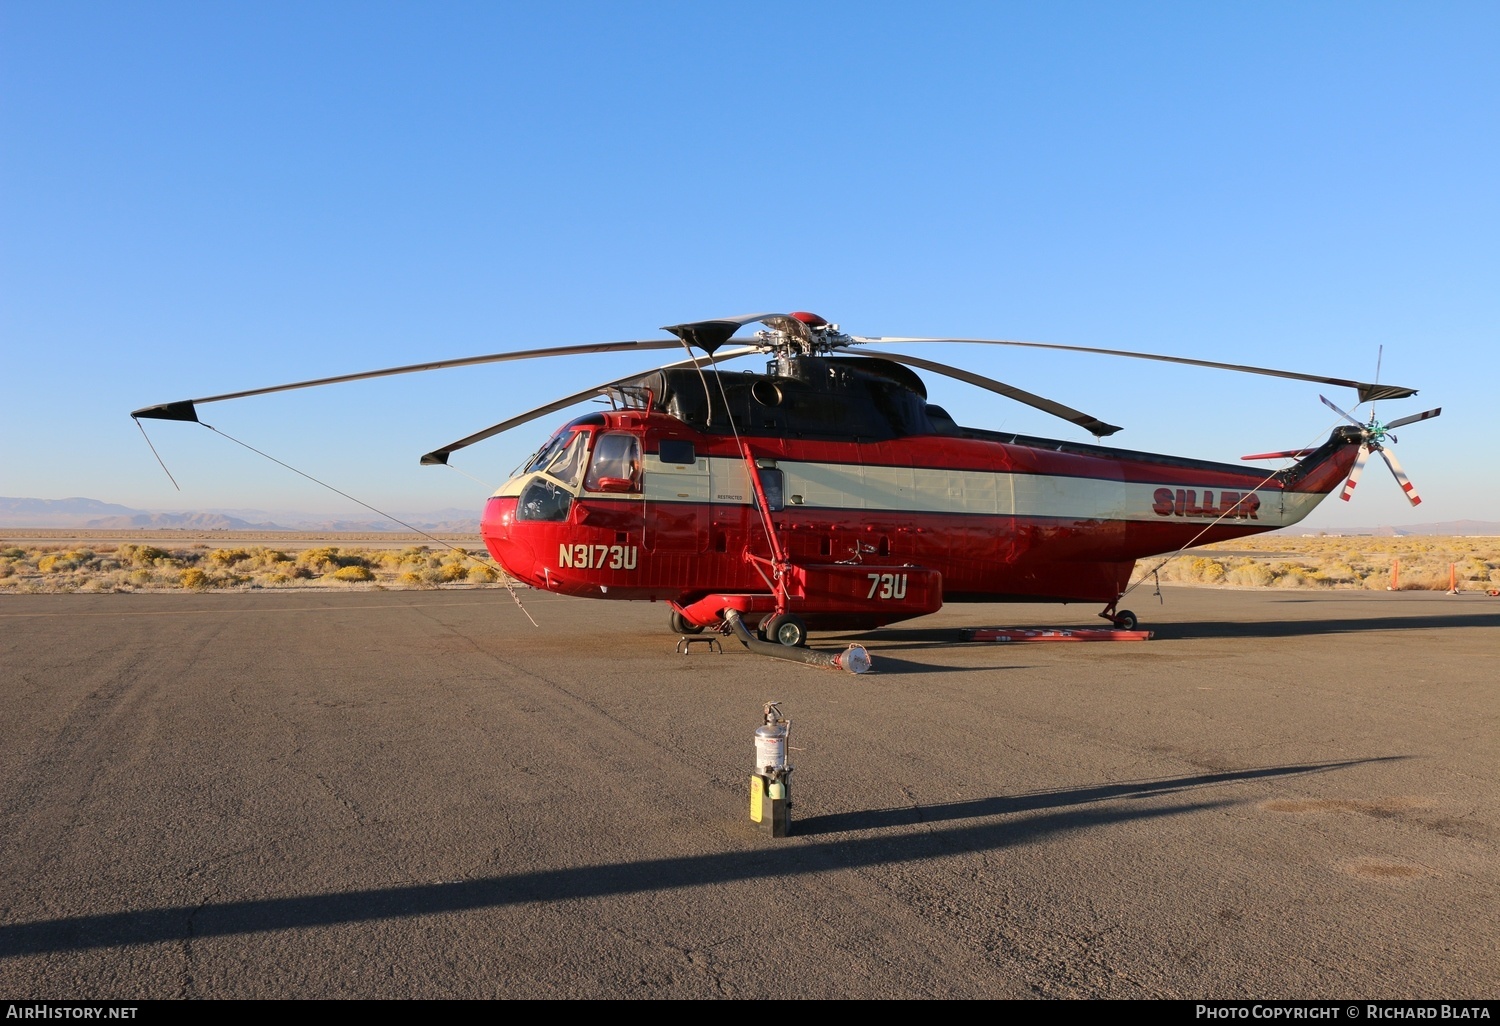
<point>770,741</point>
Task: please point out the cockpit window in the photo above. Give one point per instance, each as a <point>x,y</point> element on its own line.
<point>616,464</point>
<point>543,500</point>
<point>567,465</point>
<point>548,452</point>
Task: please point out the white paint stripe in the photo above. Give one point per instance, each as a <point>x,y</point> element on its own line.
<point>846,486</point>
<point>924,490</point>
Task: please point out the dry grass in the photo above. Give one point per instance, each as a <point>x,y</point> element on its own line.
<point>1343,562</point>
<point>145,566</point>
<point>153,562</point>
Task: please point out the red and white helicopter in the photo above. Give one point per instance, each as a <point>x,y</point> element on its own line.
<point>828,493</point>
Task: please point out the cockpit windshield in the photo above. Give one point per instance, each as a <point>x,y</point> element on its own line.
<point>567,466</point>
<point>544,455</point>
<point>563,457</point>
<point>561,463</point>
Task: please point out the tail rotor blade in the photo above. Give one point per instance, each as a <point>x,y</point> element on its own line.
<point>1359,467</point>
<point>1340,412</point>
<point>1414,418</point>
<point>1401,478</point>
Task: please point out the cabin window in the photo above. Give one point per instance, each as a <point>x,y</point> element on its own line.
<point>772,484</point>
<point>678,451</point>
<point>616,464</point>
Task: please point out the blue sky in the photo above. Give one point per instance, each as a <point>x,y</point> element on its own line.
<point>199,198</point>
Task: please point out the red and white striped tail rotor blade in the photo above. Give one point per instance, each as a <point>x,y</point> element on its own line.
<point>1401,478</point>
<point>1359,467</point>
<point>1414,418</point>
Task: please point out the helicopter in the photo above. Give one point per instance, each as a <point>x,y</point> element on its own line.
<point>828,493</point>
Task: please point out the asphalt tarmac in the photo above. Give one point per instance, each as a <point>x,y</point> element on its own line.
<point>409,794</point>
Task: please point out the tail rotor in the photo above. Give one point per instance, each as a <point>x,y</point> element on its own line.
<point>1375,434</point>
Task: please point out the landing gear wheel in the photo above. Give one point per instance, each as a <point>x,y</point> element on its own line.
<point>785,629</point>
<point>1125,620</point>
<point>681,626</point>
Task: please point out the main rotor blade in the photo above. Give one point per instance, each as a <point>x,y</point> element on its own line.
<point>183,409</point>
<point>1414,418</point>
<point>1367,391</point>
<point>1401,478</point>
<point>440,455</point>
<point>1093,425</point>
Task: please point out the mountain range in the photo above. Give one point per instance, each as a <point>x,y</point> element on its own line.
<point>80,512</point>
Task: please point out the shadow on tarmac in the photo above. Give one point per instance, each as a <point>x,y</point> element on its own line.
<point>899,639</point>
<point>1041,814</point>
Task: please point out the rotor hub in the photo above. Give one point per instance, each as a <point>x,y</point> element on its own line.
<point>800,334</point>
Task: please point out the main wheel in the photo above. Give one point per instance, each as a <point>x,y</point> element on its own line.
<point>1125,620</point>
<point>786,629</point>
<point>680,625</point>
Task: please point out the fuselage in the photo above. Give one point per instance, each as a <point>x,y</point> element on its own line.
<point>643,504</point>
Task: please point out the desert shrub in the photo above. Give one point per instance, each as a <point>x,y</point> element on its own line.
<point>319,561</point>
<point>7,569</point>
<point>56,563</point>
<point>1210,571</point>
<point>479,573</point>
<point>1337,570</point>
<point>1250,574</point>
<point>353,573</point>
<point>13,553</point>
<point>327,560</point>
<point>411,579</point>
<point>227,557</point>
<point>193,577</point>
<point>1291,577</point>
<point>1424,580</point>
<point>141,577</point>
<point>1473,569</point>
<point>452,572</point>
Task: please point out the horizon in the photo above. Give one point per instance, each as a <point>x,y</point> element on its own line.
<point>1487,527</point>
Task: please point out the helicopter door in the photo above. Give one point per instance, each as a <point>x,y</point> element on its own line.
<point>678,498</point>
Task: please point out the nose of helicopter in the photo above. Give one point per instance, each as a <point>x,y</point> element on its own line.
<point>506,547</point>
